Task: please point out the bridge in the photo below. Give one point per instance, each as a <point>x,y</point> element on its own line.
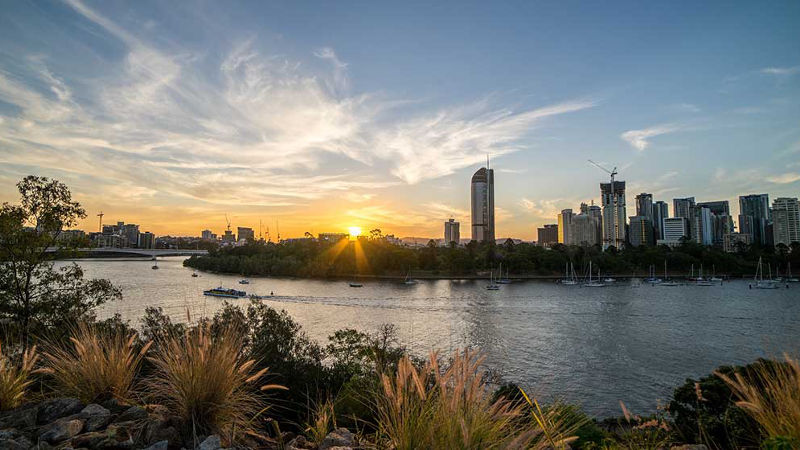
<point>152,252</point>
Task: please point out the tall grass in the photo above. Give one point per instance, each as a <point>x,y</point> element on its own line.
<point>323,420</point>
<point>771,396</point>
<point>15,378</point>
<point>98,365</point>
<point>452,408</point>
<point>205,381</point>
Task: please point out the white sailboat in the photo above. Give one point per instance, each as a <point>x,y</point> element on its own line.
<point>591,283</point>
<point>492,286</point>
<point>702,281</point>
<point>408,279</point>
<point>652,278</point>
<point>570,278</point>
<point>505,280</point>
<point>667,282</point>
<point>760,282</point>
<point>714,276</point>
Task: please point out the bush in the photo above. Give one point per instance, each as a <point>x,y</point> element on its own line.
<point>15,378</point>
<point>206,382</point>
<point>100,364</point>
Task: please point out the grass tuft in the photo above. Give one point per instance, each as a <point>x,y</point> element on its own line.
<point>97,365</point>
<point>205,381</point>
<point>771,396</point>
<point>15,378</point>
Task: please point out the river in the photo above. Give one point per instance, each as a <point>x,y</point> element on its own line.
<point>630,342</point>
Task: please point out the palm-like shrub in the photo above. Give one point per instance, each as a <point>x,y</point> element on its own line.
<point>205,380</point>
<point>97,364</point>
<point>15,378</point>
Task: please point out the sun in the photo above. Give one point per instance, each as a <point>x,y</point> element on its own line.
<point>354,232</point>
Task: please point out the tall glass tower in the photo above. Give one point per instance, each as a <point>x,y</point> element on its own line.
<point>482,196</point>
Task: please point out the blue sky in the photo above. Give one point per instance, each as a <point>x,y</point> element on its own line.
<point>329,114</point>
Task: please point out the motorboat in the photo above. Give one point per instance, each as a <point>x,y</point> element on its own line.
<point>225,292</point>
<point>244,281</point>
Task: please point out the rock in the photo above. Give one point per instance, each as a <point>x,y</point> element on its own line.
<point>117,435</point>
<point>115,406</point>
<point>96,417</point>
<point>22,417</point>
<point>53,409</point>
<point>340,437</point>
<point>160,445</point>
<point>14,440</point>
<point>132,413</point>
<point>689,447</point>
<point>61,430</point>
<point>212,442</point>
<point>300,443</point>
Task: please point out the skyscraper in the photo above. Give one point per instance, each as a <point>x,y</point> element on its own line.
<point>613,199</point>
<point>565,227</point>
<point>586,226</point>
<point>452,232</point>
<point>785,220</point>
<point>547,235</point>
<point>684,207</point>
<point>482,193</point>
<point>701,226</point>
<point>721,220</point>
<point>675,230</point>
<point>246,233</point>
<point>754,216</point>
<point>660,212</point>
<point>641,231</point>
<point>644,205</point>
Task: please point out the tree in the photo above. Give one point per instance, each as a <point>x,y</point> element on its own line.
<point>34,294</point>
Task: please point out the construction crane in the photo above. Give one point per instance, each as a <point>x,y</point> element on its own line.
<point>101,221</point>
<point>228,220</point>
<point>617,238</point>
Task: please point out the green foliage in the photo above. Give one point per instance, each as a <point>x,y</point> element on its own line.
<point>311,258</point>
<point>704,411</point>
<point>35,296</point>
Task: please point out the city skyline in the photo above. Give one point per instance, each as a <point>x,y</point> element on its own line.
<point>174,115</point>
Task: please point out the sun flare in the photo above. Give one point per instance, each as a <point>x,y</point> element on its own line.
<point>354,232</point>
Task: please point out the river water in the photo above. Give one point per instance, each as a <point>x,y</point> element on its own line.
<point>630,342</point>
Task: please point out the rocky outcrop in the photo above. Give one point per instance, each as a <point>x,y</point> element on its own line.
<point>67,423</point>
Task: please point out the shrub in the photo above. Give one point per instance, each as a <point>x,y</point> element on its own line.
<point>99,365</point>
<point>772,398</point>
<point>15,378</point>
<point>206,382</point>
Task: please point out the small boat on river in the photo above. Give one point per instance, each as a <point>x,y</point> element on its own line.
<point>225,292</point>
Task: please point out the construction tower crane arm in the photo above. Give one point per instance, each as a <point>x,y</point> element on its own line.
<point>611,172</point>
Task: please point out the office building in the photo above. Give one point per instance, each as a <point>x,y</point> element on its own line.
<point>482,200</point>
<point>452,232</point>
<point>660,212</point>
<point>701,228</point>
<point>246,234</point>
<point>565,227</point>
<point>147,240</point>
<point>121,235</point>
<point>721,220</point>
<point>547,235</point>
<point>613,200</point>
<point>640,231</point>
<point>754,216</point>
<point>207,235</point>
<point>644,206</point>
<point>684,207</point>
<point>586,226</point>
<point>228,236</point>
<point>676,230</point>
<point>785,220</point>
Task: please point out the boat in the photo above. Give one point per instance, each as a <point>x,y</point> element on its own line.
<point>195,275</point>
<point>667,281</point>
<point>692,277</point>
<point>155,266</point>
<point>652,278</point>
<point>408,279</point>
<point>760,282</point>
<point>591,283</point>
<point>244,281</point>
<point>492,286</point>
<point>702,281</point>
<point>570,278</point>
<point>714,276</point>
<point>225,292</point>
<point>505,280</point>
<point>354,284</point>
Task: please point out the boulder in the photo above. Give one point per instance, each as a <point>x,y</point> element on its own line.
<point>14,440</point>
<point>56,408</point>
<point>132,413</point>
<point>117,436</point>
<point>61,430</point>
<point>22,417</point>
<point>160,445</point>
<point>300,443</point>
<point>340,437</point>
<point>212,442</point>
<point>96,417</point>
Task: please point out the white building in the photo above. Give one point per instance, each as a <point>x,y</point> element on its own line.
<point>785,220</point>
<point>482,196</point>
<point>452,232</point>
<point>675,230</point>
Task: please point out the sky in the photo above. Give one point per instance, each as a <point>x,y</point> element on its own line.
<point>318,116</point>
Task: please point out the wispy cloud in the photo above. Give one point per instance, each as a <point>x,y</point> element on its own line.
<point>780,71</point>
<point>638,139</point>
<point>241,128</point>
<point>784,178</point>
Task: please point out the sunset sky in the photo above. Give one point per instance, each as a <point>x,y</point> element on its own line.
<point>325,115</point>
